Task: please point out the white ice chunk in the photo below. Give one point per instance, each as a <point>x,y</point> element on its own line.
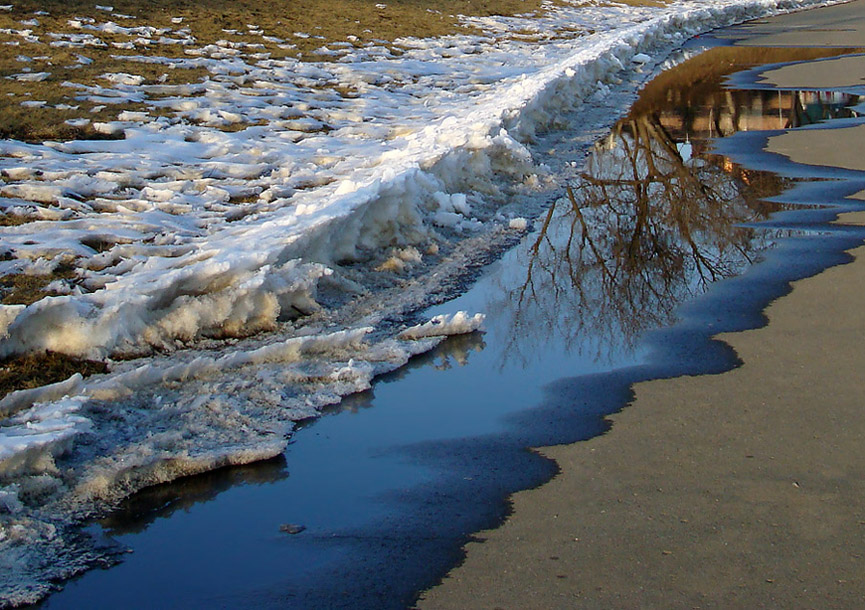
<point>518,224</point>
<point>23,399</point>
<point>122,78</point>
<point>8,313</point>
<point>31,439</point>
<point>445,325</point>
<point>31,77</point>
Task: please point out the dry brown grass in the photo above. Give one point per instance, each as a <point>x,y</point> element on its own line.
<point>25,372</point>
<point>35,124</point>
<point>31,371</point>
<point>331,19</point>
<point>20,289</point>
<point>324,21</point>
<point>12,220</point>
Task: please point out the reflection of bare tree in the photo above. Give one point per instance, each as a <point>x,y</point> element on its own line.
<point>645,227</point>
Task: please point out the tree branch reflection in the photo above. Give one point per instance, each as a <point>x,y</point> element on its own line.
<point>645,227</point>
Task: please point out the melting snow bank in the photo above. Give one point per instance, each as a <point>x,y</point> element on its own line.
<point>68,458</point>
<point>182,233</point>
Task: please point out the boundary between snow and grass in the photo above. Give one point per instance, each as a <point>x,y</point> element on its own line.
<point>221,289</point>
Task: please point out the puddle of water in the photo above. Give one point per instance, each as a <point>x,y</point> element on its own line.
<point>389,488</point>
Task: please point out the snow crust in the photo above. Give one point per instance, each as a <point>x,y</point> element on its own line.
<point>189,236</point>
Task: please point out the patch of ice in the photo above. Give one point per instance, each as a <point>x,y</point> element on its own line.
<point>121,78</point>
<point>30,440</point>
<point>31,77</point>
<point>127,115</point>
<point>518,224</point>
<point>445,325</point>
<point>7,314</point>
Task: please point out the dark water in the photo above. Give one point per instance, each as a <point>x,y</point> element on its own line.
<point>661,243</point>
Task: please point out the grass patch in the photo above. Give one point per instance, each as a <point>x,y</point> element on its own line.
<point>20,289</point>
<point>333,20</point>
<point>21,119</point>
<point>12,220</point>
<point>35,370</point>
<point>274,28</point>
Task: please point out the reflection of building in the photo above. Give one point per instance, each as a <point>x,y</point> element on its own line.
<point>726,112</point>
<point>692,102</point>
